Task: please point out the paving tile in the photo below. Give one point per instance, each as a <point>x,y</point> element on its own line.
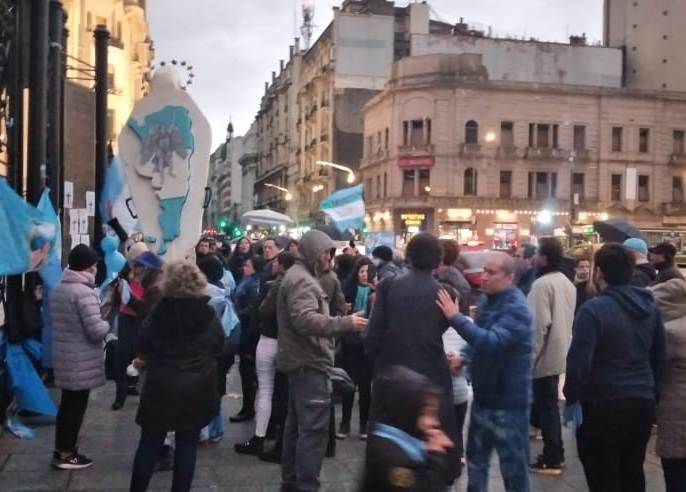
<point>44,481</point>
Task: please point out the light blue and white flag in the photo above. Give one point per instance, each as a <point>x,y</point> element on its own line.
<point>115,193</point>
<point>345,207</point>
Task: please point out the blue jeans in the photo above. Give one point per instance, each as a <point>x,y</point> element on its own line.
<point>216,426</point>
<point>506,431</point>
<point>149,451</point>
<point>548,411</point>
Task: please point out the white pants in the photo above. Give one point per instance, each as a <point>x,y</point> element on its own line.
<point>266,369</point>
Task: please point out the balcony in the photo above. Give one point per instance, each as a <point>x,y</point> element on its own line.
<point>470,150</point>
<point>677,159</point>
<point>508,152</point>
<point>581,154</point>
<point>547,153</point>
<point>116,43</point>
<point>674,208</point>
<point>412,150</point>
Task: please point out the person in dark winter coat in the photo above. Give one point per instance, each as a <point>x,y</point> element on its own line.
<point>242,252</point>
<point>382,256</point>
<point>662,257</point>
<point>614,369</point>
<point>147,270</point>
<point>582,281</point>
<point>78,335</point>
<point>526,267</point>
<point>358,290</point>
<point>179,345</point>
<point>246,298</point>
<point>406,328</point>
<point>265,355</point>
<point>406,447</point>
<point>644,272</point>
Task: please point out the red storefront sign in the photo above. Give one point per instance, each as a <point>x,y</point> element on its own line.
<point>416,161</point>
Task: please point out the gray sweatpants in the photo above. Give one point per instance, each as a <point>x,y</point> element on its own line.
<point>307,430</point>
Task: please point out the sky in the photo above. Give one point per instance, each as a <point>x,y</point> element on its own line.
<point>233,45</point>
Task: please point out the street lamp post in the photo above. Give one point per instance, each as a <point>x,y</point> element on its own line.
<point>339,167</point>
<point>288,196</point>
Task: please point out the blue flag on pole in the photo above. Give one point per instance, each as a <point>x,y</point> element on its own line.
<point>345,207</point>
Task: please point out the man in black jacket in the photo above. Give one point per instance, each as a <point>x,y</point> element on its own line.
<point>644,272</point>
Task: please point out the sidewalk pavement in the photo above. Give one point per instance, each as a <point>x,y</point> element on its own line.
<point>110,439</point>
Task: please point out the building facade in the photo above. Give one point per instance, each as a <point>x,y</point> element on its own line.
<point>129,56</point>
<point>453,152</point>
<point>247,163</point>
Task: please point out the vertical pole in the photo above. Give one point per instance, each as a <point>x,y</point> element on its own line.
<point>55,113</point>
<point>102,36</point>
<point>63,74</point>
<point>38,99</point>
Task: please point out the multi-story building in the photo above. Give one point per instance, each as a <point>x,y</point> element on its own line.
<point>467,146</point>
<point>129,55</point>
<point>224,182</point>
<point>277,163</point>
<point>247,161</point>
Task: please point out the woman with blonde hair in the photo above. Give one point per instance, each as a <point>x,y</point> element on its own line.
<point>179,344</point>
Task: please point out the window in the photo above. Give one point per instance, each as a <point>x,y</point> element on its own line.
<point>505,184</point>
<point>556,136</point>
<point>385,184</point>
<point>543,136</point>
<point>368,188</point>
<point>643,188</point>
<point>616,188</point>
<point>470,182</point>
<point>579,137</point>
<point>378,187</point>
<point>471,132</point>
<point>408,182</point>
<point>678,142</point>
<point>89,21</point>
<point>406,132</point>
<point>532,134</point>
<point>385,139</point>
<point>377,148</point>
<point>616,139</point>
<point>416,133</point>
<point>110,77</point>
<point>428,131</point>
<point>424,182</point>
<point>369,145</point>
<point>677,189</point>
<point>643,139</point>
<point>578,185</point>
<point>111,131</point>
<point>542,185</point>
<point>506,134</point>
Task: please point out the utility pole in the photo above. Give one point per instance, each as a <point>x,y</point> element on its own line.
<point>102,37</point>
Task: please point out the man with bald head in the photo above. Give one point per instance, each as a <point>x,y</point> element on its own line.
<point>501,343</point>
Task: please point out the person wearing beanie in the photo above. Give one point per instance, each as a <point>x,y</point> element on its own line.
<point>79,367</point>
<point>662,258</point>
<point>382,256</point>
<point>644,272</point>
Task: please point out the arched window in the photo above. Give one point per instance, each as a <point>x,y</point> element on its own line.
<point>470,182</point>
<point>471,132</point>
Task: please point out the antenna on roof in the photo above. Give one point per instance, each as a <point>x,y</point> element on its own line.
<point>307,27</point>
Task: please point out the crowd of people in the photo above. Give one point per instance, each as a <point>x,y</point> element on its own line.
<point>311,328</point>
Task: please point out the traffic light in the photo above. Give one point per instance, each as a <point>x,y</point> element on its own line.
<point>222,223</point>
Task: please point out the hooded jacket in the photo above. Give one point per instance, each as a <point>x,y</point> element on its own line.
<point>670,298</point>
<point>180,343</point>
<point>618,347</point>
<point>401,463</point>
<point>306,331</point>
<point>78,333</point>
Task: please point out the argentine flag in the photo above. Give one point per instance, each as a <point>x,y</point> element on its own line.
<point>345,207</point>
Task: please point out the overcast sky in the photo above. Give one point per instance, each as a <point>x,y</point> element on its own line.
<point>233,45</point>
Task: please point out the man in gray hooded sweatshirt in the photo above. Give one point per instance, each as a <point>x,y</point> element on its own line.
<point>305,354</point>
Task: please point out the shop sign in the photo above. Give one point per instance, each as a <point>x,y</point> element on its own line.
<point>416,161</point>
<point>512,227</point>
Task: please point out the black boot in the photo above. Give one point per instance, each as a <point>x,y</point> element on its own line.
<point>253,446</point>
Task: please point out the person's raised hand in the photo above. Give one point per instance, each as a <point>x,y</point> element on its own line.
<point>359,322</point>
<point>449,307</point>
